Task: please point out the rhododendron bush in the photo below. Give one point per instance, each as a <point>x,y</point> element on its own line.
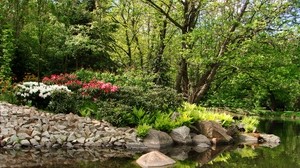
<point>93,89</point>
<point>37,94</point>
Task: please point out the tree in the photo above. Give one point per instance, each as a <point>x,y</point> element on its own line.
<point>226,24</point>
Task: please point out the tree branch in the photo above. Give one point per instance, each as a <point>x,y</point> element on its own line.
<point>154,5</point>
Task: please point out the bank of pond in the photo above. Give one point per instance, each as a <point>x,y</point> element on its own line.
<point>253,149</point>
<point>286,154</point>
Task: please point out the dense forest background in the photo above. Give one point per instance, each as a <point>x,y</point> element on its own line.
<point>224,53</point>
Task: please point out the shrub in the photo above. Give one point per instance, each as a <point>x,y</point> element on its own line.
<point>37,94</point>
<point>7,92</point>
<point>150,102</point>
<point>114,112</point>
<point>62,102</point>
<point>93,89</point>
<point>87,108</point>
<point>154,99</point>
<point>96,89</point>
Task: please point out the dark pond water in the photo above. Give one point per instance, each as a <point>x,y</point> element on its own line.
<point>285,155</point>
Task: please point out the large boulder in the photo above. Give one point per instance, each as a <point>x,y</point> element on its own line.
<point>154,159</point>
<point>181,135</point>
<point>200,140</point>
<point>157,139</point>
<point>215,131</point>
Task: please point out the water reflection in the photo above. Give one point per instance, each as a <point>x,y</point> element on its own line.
<point>73,158</point>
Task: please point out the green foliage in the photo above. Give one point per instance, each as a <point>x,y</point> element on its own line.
<point>126,78</point>
<point>62,102</point>
<point>196,113</point>
<point>143,104</point>
<point>114,112</point>
<point>142,130</point>
<point>250,123</point>
<point>164,122</point>
<point>7,46</point>
<point>7,92</point>
<point>87,108</point>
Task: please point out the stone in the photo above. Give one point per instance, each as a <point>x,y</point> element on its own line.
<point>44,141</point>
<point>233,131</point>
<point>14,138</point>
<point>157,139</point>
<point>23,136</point>
<point>38,138</point>
<point>270,138</point>
<point>201,148</point>
<point>34,142</point>
<point>71,137</point>
<point>155,159</point>
<point>181,135</point>
<point>212,129</point>
<point>35,133</point>
<point>248,138</point>
<point>69,145</point>
<point>25,142</point>
<point>46,134</point>
<point>201,139</point>
<point>81,140</point>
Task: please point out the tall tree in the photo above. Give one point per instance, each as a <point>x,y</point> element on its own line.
<point>226,23</point>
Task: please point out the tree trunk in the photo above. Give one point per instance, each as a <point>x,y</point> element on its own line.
<point>182,80</point>
<point>203,85</point>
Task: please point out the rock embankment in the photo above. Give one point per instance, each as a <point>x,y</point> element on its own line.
<point>23,126</point>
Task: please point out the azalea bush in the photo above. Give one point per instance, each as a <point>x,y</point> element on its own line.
<point>96,89</point>
<point>37,94</point>
<point>92,89</point>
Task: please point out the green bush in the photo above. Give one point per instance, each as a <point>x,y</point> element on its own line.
<point>87,108</point>
<point>114,112</point>
<point>154,99</point>
<point>132,97</point>
<point>63,102</point>
<point>7,92</point>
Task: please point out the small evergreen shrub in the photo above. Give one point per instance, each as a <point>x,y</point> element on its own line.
<point>113,112</point>
<point>62,102</point>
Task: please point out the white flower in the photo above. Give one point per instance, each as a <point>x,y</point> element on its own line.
<point>28,89</point>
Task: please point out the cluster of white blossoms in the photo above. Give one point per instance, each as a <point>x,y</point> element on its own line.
<point>28,89</point>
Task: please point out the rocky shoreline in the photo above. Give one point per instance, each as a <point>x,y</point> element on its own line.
<point>38,132</point>
<point>23,126</point>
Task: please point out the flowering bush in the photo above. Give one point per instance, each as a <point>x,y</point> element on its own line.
<point>69,80</point>
<point>37,94</point>
<point>93,89</point>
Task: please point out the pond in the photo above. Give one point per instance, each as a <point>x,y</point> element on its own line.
<point>286,155</point>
